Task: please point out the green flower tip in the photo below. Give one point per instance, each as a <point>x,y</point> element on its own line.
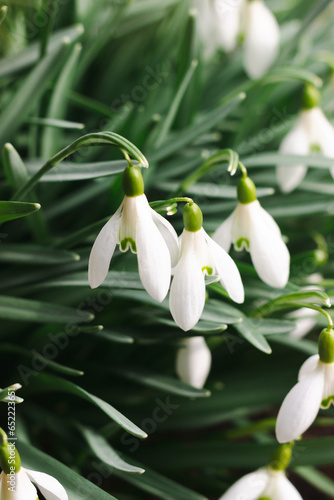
<point>326,345</point>
<point>132,181</point>
<point>282,457</point>
<point>10,461</point>
<point>311,96</point>
<point>192,217</point>
<point>246,190</point>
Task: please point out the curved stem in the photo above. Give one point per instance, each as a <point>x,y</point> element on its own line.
<point>243,170</point>
<point>94,139</point>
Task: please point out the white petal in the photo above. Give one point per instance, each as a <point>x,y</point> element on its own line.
<point>280,488</point>
<point>269,253</point>
<point>102,251</point>
<point>295,142</point>
<point>262,38</point>
<point>227,270</point>
<point>308,367</point>
<point>300,407</point>
<point>187,293</point>
<point>223,234</point>
<point>193,361</point>
<point>227,23</point>
<point>24,489</point>
<point>48,485</point>
<point>169,235</point>
<point>325,133</point>
<point>248,487</point>
<point>154,262</point>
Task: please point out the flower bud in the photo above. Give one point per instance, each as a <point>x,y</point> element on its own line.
<point>246,190</point>
<point>311,97</point>
<point>326,346</point>
<point>132,181</point>
<point>9,458</point>
<point>192,217</point>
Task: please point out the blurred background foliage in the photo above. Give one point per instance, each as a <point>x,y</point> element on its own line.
<point>71,67</point>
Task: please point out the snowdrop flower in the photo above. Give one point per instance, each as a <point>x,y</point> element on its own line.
<point>252,228</point>
<point>314,390</point>
<point>193,361</point>
<point>199,255</point>
<point>137,226</point>
<point>16,482</point>
<point>223,22</point>
<point>268,483</point>
<point>311,133</point>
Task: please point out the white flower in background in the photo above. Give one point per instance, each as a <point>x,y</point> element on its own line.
<point>305,322</point>
<point>193,361</point>
<point>22,481</point>
<point>199,255</point>
<point>223,22</point>
<point>311,133</point>
<point>266,484</point>
<point>314,390</point>
<point>137,226</point>
<point>252,228</point>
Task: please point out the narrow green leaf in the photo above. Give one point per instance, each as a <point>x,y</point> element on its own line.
<point>158,485</point>
<point>18,309</point>
<point>273,158</point>
<point>162,382</point>
<point>102,449</point>
<point>311,297</point>
<point>317,479</point>
<point>185,137</point>
<point>52,383</point>
<point>51,139</point>
<point>55,123</point>
<point>77,487</point>
<point>10,210</point>
<point>30,92</point>
<point>30,254</point>
<point>70,171</point>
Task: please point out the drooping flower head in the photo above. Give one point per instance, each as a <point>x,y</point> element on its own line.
<point>314,390</point>
<point>268,483</point>
<point>137,226</point>
<point>16,482</point>
<point>252,228</point>
<point>311,133</point>
<point>222,24</point>
<point>200,255</point>
<point>193,361</point>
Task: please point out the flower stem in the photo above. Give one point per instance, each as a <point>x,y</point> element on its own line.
<point>3,436</point>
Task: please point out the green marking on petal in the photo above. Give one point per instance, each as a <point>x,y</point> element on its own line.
<point>264,498</point>
<point>315,148</point>
<point>241,243</point>
<point>128,243</point>
<point>325,403</point>
<point>208,270</point>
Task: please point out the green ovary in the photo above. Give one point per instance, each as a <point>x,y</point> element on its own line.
<point>128,243</point>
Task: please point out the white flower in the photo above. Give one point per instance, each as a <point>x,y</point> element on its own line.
<point>222,22</point>
<point>193,361</point>
<point>262,38</point>
<point>23,489</point>
<point>252,228</point>
<point>264,483</point>
<point>306,319</point>
<point>199,255</point>
<point>312,132</point>
<point>137,226</point>
<point>314,390</point>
